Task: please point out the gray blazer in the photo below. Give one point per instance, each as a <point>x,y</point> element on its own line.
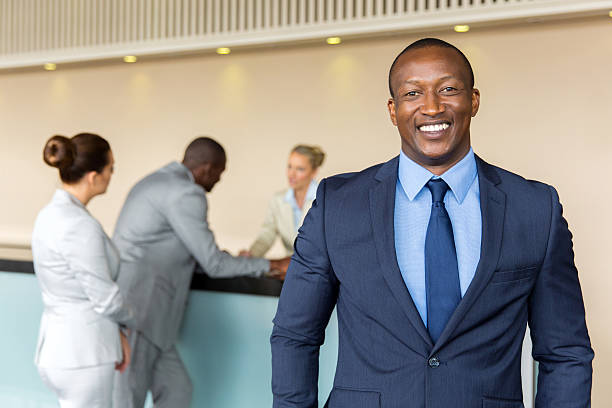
<point>76,265</point>
<point>161,233</point>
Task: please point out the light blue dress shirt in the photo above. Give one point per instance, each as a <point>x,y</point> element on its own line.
<point>297,211</point>
<point>412,211</point>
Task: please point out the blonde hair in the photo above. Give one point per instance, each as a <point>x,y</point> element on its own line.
<point>315,154</point>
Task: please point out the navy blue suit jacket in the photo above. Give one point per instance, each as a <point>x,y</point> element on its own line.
<point>345,257</point>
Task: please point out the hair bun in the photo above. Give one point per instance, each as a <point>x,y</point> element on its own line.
<point>319,155</point>
<point>315,154</point>
<point>59,152</point>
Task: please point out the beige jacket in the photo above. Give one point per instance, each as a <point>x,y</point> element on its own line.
<point>279,222</point>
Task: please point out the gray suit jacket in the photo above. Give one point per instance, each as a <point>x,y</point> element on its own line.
<point>161,232</point>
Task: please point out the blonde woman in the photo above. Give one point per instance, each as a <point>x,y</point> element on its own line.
<point>80,345</point>
<point>288,208</point>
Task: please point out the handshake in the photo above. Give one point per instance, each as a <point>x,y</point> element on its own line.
<point>278,267</point>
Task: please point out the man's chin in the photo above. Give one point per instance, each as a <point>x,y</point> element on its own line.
<point>434,157</point>
<point>439,159</point>
<point>443,155</point>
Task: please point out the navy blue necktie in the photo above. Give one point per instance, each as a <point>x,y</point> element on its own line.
<point>441,270</point>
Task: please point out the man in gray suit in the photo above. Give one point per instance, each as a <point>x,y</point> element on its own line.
<point>161,233</point>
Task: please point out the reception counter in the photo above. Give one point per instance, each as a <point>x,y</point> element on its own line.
<point>200,281</point>
<point>224,341</point>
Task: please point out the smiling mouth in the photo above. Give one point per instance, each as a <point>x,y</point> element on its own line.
<point>438,127</point>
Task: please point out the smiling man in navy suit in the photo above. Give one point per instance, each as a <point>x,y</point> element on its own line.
<point>436,261</point>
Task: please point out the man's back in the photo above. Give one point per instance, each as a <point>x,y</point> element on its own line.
<point>156,266</point>
<point>161,233</point>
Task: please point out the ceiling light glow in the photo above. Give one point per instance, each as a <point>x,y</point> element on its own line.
<point>463,28</point>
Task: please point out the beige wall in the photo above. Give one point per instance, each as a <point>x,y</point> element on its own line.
<point>545,113</point>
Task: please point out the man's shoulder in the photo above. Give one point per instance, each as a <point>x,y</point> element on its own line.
<point>513,184</point>
<point>357,180</point>
<point>166,180</point>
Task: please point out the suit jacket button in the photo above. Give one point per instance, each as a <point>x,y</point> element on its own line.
<point>434,362</point>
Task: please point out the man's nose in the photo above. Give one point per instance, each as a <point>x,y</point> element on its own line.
<point>431,104</point>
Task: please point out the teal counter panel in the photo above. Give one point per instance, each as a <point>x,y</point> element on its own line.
<point>224,343</point>
<point>20,311</point>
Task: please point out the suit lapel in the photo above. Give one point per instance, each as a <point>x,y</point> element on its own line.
<point>492,206</point>
<point>382,208</point>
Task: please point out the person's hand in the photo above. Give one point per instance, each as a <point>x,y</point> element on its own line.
<point>127,353</point>
<point>244,252</point>
<point>278,268</point>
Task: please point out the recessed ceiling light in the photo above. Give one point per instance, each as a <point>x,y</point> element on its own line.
<point>463,28</point>
<point>130,59</point>
<point>49,66</point>
<point>333,40</point>
<point>223,50</point>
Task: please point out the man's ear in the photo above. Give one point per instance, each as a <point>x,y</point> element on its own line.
<point>475,101</point>
<point>391,107</point>
<point>206,168</point>
<point>201,170</point>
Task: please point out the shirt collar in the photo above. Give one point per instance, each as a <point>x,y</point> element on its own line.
<point>459,178</point>
<point>310,194</point>
<point>289,197</point>
<point>186,170</point>
<point>65,196</point>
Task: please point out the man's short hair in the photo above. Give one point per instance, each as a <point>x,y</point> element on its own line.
<point>431,42</point>
<point>203,150</point>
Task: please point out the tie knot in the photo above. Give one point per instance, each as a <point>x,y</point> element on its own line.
<point>438,188</point>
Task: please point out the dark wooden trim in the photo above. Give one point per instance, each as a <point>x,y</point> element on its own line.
<point>200,281</point>
<point>243,284</point>
<point>10,265</point>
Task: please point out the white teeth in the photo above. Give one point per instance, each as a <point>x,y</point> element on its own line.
<point>434,128</point>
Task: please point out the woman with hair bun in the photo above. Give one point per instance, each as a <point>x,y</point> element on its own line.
<point>288,208</point>
<point>80,344</point>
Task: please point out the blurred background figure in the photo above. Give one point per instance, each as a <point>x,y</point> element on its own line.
<point>80,344</point>
<point>161,233</point>
<point>288,208</point>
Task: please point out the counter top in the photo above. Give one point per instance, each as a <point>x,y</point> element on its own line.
<point>200,281</point>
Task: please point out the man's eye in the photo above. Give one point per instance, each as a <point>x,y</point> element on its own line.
<point>448,89</point>
<point>411,93</point>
